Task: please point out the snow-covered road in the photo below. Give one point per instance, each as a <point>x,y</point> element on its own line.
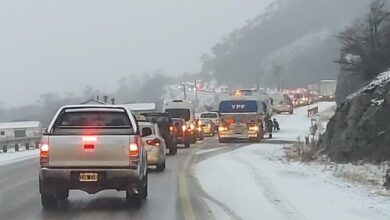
<point>255,182</point>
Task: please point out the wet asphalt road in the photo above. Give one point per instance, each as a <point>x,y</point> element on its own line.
<point>173,194</point>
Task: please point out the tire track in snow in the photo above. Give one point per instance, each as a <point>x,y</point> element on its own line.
<point>226,209</point>
<point>270,192</point>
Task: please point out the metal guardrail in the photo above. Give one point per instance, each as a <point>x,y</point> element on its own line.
<point>312,111</point>
<point>28,142</point>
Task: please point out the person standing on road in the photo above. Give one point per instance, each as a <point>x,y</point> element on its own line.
<point>268,123</point>
<point>276,125</point>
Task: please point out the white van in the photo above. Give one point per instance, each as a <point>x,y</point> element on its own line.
<point>182,109</point>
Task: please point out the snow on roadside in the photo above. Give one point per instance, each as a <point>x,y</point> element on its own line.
<point>13,157</point>
<point>208,150</point>
<point>298,125</point>
<point>254,182</point>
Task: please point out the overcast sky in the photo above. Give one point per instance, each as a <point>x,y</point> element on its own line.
<point>61,46</point>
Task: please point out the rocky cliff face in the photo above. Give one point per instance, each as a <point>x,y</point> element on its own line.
<point>360,129</point>
<point>348,83</point>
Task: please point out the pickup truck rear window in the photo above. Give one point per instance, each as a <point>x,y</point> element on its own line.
<point>94,120</point>
<point>93,123</point>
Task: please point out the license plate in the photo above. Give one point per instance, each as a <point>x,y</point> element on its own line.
<point>88,177</point>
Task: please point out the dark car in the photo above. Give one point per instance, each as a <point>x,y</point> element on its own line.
<point>183,134</point>
<point>165,124</point>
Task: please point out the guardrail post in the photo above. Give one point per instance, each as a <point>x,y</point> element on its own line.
<point>27,146</point>
<point>16,147</point>
<point>5,149</point>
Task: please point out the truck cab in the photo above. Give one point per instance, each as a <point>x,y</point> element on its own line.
<point>240,119</point>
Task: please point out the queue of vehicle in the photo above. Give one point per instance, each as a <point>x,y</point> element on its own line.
<point>98,147</point>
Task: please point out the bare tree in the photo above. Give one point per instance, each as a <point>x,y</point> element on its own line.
<point>365,44</point>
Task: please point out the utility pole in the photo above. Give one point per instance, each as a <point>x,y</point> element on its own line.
<point>184,91</point>
<point>196,96</point>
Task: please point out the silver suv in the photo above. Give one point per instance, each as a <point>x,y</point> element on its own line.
<point>92,148</point>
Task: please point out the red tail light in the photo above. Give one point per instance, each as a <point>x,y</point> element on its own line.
<point>44,152</point>
<point>154,142</point>
<point>134,151</point>
<point>89,147</point>
<point>171,128</point>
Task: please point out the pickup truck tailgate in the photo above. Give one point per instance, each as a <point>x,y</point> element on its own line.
<point>89,151</point>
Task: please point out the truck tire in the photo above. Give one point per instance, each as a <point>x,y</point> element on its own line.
<point>258,139</point>
<point>137,199</point>
<point>48,198</point>
<point>173,149</point>
<point>48,201</point>
<point>187,143</point>
<point>161,167</point>
<point>291,112</point>
<point>193,140</point>
<point>201,138</point>
<point>221,140</point>
<point>63,194</point>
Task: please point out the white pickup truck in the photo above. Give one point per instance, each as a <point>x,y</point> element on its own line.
<point>92,148</point>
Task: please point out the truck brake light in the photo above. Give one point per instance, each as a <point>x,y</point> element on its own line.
<point>44,150</point>
<point>133,150</point>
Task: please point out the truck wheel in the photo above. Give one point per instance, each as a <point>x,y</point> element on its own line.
<point>220,140</point>
<point>48,201</point>
<point>136,198</point>
<point>173,146</point>
<point>193,139</point>
<point>258,139</point>
<point>161,167</point>
<point>63,194</point>
<point>145,187</point>
<point>291,112</point>
<point>187,143</point>
<point>173,149</point>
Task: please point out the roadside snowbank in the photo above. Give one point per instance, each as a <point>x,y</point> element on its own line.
<point>298,125</point>
<point>255,183</point>
<point>13,157</point>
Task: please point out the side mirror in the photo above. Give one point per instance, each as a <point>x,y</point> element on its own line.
<point>146,132</point>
